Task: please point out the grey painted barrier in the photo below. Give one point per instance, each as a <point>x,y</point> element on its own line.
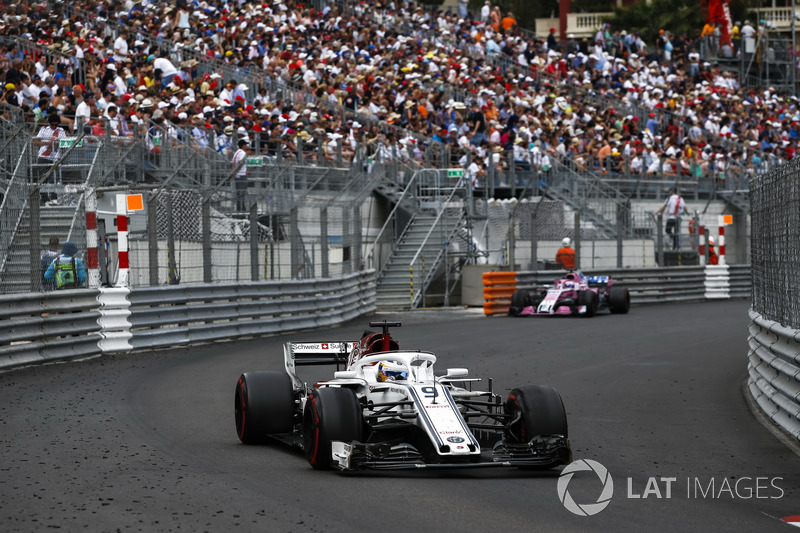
<point>39,327</point>
<point>774,370</point>
<point>182,315</point>
<point>60,325</point>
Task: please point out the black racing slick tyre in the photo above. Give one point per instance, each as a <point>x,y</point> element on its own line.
<point>619,300</point>
<point>518,302</point>
<point>264,406</point>
<point>540,412</point>
<point>331,414</point>
<point>590,300</point>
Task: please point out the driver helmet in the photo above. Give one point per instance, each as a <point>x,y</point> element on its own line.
<point>711,241</point>
<point>565,241</point>
<point>391,371</point>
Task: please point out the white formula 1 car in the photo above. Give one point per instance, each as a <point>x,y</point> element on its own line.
<point>389,409</point>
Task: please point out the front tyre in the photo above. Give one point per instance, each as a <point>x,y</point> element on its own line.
<point>540,411</point>
<point>589,299</point>
<point>331,414</point>
<point>264,405</point>
<point>518,302</point>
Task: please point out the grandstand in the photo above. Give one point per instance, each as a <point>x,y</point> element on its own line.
<point>366,123</point>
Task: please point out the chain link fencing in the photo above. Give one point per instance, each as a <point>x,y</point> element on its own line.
<point>527,234</point>
<point>288,219</point>
<point>775,248</point>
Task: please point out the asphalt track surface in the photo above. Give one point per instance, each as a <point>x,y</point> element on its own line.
<point>146,441</point>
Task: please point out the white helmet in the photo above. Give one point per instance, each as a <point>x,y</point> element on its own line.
<point>565,241</point>
<point>711,241</point>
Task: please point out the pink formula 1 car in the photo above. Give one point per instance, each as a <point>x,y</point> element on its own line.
<point>574,294</point>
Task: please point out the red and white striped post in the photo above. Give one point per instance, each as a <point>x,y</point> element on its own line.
<point>122,240</point>
<point>721,240</point>
<point>92,261</point>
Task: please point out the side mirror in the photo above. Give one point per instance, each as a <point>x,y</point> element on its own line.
<point>453,373</point>
<point>344,374</point>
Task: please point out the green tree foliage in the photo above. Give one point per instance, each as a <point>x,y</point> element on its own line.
<point>676,16</point>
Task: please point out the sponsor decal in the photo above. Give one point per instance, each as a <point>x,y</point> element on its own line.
<point>437,406</point>
<point>455,439</point>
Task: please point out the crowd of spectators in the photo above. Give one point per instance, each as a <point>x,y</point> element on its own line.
<point>391,79</point>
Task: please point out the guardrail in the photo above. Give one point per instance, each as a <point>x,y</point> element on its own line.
<point>773,366</point>
<point>60,325</point>
<point>646,285</point>
<point>40,327</point>
<point>179,316</point>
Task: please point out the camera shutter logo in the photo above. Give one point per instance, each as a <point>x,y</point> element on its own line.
<point>586,509</point>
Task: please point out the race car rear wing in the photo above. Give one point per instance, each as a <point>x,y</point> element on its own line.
<point>314,353</point>
<point>597,281</point>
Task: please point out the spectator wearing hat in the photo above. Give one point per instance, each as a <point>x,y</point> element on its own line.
<point>66,271</point>
<point>10,96</point>
<point>224,141</point>
<point>552,41</point>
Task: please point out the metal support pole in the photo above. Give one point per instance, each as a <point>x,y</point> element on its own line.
<point>152,239</point>
<point>660,239</point>
<point>346,243</point>
<point>356,253</point>
<point>534,242</point>
<point>446,276</point>
<point>620,232</point>
<point>35,238</point>
<point>205,216</point>
<point>172,268</point>
<point>294,239</point>
<point>254,242</point>
<point>577,239</point>
<point>323,240</point>
<point>512,243</point>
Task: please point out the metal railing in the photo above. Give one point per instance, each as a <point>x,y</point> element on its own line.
<point>427,259</point>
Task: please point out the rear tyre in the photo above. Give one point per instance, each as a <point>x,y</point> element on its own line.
<point>541,413</point>
<point>619,300</point>
<point>331,414</point>
<point>590,300</point>
<point>264,405</point>
<point>518,300</point>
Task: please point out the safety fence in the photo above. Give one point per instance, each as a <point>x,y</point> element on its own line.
<point>774,340</point>
<point>647,285</point>
<point>61,325</point>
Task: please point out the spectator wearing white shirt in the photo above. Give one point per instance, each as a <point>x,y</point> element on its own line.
<point>121,46</point>
<point>84,110</point>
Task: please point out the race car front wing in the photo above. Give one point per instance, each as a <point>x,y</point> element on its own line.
<point>541,452</point>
